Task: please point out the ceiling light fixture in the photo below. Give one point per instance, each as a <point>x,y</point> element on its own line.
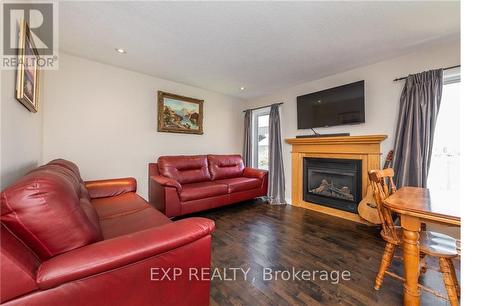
<point>242,88</point>
<point>120,50</point>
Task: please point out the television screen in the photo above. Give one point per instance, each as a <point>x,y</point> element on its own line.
<point>335,106</point>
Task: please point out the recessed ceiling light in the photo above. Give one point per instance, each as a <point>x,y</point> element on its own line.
<point>242,88</point>
<point>120,50</point>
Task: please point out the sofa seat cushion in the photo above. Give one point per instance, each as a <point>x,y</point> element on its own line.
<point>125,214</point>
<point>119,205</point>
<point>134,222</point>
<point>240,183</point>
<point>202,190</point>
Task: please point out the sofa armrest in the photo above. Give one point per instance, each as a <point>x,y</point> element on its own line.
<point>167,182</point>
<point>118,252</point>
<point>112,187</point>
<point>255,173</point>
<point>164,195</point>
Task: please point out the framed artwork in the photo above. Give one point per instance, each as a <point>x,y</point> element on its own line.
<point>178,114</point>
<point>28,70</point>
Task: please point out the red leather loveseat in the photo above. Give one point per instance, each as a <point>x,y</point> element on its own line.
<point>69,242</point>
<point>180,185</point>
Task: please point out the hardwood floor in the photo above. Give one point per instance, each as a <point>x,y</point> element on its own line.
<point>256,235</point>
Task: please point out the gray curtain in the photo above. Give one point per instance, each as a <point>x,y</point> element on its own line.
<point>418,111</point>
<point>276,190</point>
<point>247,139</point>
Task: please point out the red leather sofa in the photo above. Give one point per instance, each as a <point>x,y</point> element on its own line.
<point>69,242</point>
<point>180,185</point>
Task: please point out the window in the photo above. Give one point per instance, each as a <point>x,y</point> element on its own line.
<point>444,173</point>
<point>260,138</point>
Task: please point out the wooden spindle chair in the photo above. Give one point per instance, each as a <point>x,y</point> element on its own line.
<point>433,244</point>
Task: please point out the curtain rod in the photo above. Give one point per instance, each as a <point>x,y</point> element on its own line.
<point>404,78</point>
<point>252,109</point>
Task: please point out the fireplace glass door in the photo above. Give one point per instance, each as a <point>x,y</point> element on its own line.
<point>333,182</point>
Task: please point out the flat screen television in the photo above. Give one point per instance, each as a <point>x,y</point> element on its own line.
<point>335,106</point>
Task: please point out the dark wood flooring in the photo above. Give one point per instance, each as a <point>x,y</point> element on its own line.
<point>256,235</point>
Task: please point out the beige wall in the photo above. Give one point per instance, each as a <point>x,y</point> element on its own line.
<point>104,119</point>
<point>21,133</point>
<point>381,96</point>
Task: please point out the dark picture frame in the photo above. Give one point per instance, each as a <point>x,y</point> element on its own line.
<point>179,114</point>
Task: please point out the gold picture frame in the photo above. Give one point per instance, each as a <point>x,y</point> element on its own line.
<point>28,70</point>
<point>178,114</point>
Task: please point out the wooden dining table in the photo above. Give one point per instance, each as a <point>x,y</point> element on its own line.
<point>416,206</point>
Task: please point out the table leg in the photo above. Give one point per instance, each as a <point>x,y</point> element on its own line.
<point>411,257</point>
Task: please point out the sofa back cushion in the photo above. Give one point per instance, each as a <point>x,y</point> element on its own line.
<point>184,169</point>
<point>225,166</point>
<point>71,166</point>
<point>71,171</point>
<point>48,211</point>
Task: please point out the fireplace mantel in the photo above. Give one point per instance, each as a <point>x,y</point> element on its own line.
<point>365,148</point>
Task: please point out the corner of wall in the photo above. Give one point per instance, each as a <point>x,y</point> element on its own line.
<point>21,133</point>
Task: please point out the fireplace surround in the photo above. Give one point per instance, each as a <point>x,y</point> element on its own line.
<point>364,149</point>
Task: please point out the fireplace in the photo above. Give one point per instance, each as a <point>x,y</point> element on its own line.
<point>333,182</point>
<point>364,147</point>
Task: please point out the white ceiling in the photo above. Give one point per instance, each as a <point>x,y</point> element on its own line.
<point>263,46</point>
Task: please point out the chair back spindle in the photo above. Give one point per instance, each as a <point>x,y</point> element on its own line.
<point>383,186</point>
